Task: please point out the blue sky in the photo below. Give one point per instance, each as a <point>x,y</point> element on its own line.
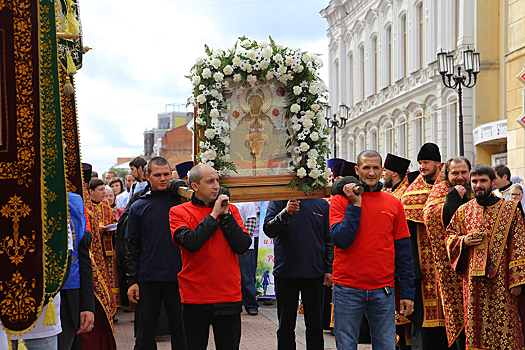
<point>142,50</point>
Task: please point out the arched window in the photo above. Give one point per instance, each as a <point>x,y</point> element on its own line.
<point>373,65</point>
<point>361,71</point>
<point>350,80</point>
<point>452,130</point>
<point>350,155</point>
<point>421,17</point>
<point>388,54</point>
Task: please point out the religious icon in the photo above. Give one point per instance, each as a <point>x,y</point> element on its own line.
<point>259,129</point>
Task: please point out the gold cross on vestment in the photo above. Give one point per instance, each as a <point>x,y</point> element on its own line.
<point>16,247</point>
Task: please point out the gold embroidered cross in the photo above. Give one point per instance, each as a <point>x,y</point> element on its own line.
<point>16,246</point>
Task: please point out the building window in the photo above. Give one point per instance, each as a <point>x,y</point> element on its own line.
<point>361,70</point>
<point>373,140</point>
<point>361,144</point>
<point>389,54</point>
<point>374,64</point>
<point>420,33</point>
<point>401,138</point>
<point>350,80</point>
<point>404,31</point>
<point>350,149</point>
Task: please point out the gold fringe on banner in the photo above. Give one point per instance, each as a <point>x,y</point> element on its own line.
<point>50,318</point>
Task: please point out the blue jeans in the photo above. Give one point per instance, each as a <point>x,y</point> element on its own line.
<point>49,343</point>
<point>349,306</point>
<point>247,267</point>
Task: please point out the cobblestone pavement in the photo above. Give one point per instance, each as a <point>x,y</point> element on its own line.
<point>258,332</point>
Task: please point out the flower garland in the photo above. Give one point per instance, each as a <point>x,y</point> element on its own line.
<point>247,62</point>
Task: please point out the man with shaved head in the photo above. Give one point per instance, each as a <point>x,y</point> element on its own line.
<point>210,233</point>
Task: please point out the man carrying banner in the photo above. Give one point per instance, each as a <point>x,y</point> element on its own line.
<point>394,173</point>
<point>486,246</point>
<point>451,190</point>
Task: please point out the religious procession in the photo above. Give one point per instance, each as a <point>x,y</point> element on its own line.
<point>380,210</point>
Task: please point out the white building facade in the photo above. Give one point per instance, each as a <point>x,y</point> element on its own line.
<point>383,65</point>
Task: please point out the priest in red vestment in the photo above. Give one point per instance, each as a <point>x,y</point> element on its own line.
<point>486,245</point>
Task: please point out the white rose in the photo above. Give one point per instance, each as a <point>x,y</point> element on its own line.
<point>201,98</point>
<point>206,73</point>
<point>210,154</point>
<point>288,61</point>
<point>311,163</point>
<point>236,61</point>
<point>246,42</point>
<point>228,70</point>
<point>262,43</point>
<point>313,89</point>
<point>295,108</point>
<point>267,52</point>
<point>307,58</point>
<point>214,113</point>
<point>301,172</point>
<point>264,65</point>
<point>314,136</point>
<point>315,173</point>
<point>209,133</point>
<point>327,173</point>
<point>251,79</point>
<point>298,68</point>
<point>199,61</point>
<point>307,123</point>
<point>296,126</point>
<point>226,84</point>
<point>281,69</point>
<point>304,147</point>
<point>313,153</point>
<point>249,68</point>
<point>269,75</point>
<point>278,58</point>
<point>283,79</point>
<point>218,76</point>
<point>315,107</point>
<point>200,121</point>
<point>297,90</point>
<point>196,80</point>
<point>309,114</point>
<point>216,63</point>
<point>226,140</point>
<point>237,78</point>
<point>214,93</point>
<point>251,54</point>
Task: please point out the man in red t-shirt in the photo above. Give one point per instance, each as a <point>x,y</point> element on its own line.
<point>210,234</point>
<point>372,241</point>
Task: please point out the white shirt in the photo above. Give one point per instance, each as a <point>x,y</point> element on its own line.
<point>122,200</point>
<point>137,186</point>
<point>247,210</point>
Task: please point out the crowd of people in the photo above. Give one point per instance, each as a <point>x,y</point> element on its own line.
<point>430,259</point>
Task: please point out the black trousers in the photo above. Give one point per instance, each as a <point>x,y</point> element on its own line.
<point>151,296</point>
<point>197,320</point>
<point>287,295</point>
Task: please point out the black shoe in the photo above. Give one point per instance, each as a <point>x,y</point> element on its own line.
<point>115,320</point>
<point>252,312</point>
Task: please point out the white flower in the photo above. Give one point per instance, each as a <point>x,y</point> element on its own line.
<point>200,111</point>
<point>315,107</point>
<point>236,61</point>
<point>226,84</point>
<point>196,80</point>
<point>228,70</point>
<point>264,65</point>
<point>309,114</point>
<point>278,58</point>
<point>237,78</point>
<point>226,157</point>
<point>210,154</point>
<point>249,68</point>
<point>269,75</point>
<point>313,153</point>
<point>202,87</point>
<point>262,43</point>
<point>251,54</point>
<point>226,140</point>
<point>216,63</point>
<point>199,61</point>
<point>214,113</point>
<point>314,136</point>
<point>295,108</point>
<point>298,68</point>
<point>251,79</point>
<point>311,163</point>
<point>218,76</point>
<point>315,173</point>
<point>281,69</point>
<point>288,61</point>
<point>307,58</point>
<point>214,93</point>
<point>313,89</point>
<point>267,52</point>
<point>210,134</point>
<point>301,172</point>
<point>304,147</point>
<point>296,126</point>
<point>307,123</point>
<point>297,90</point>
<point>327,173</point>
<point>201,98</point>
<point>200,121</point>
<point>206,73</point>
<point>246,42</point>
<point>283,79</point>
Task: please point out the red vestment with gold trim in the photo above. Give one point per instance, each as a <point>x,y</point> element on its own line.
<point>490,270</point>
<point>450,284</point>
<point>414,200</point>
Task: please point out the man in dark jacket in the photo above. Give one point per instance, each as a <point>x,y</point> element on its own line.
<point>153,259</point>
<point>210,233</point>
<point>304,252</point>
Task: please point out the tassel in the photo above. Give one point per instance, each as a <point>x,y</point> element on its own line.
<point>73,26</point>
<point>68,87</point>
<point>21,344</point>
<point>50,318</point>
<point>71,68</point>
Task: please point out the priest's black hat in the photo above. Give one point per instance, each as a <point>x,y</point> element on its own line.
<point>429,151</point>
<point>86,172</point>
<point>348,169</point>
<point>336,169</point>
<point>411,176</point>
<point>398,164</point>
<point>183,168</point>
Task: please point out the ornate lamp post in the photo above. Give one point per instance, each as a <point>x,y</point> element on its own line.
<point>336,121</point>
<point>446,69</point>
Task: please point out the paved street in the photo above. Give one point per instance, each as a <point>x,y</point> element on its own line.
<point>258,332</point>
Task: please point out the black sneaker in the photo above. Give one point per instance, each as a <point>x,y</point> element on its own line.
<point>252,312</point>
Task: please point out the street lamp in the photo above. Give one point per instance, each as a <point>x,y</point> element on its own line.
<point>336,121</point>
<point>446,69</point>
